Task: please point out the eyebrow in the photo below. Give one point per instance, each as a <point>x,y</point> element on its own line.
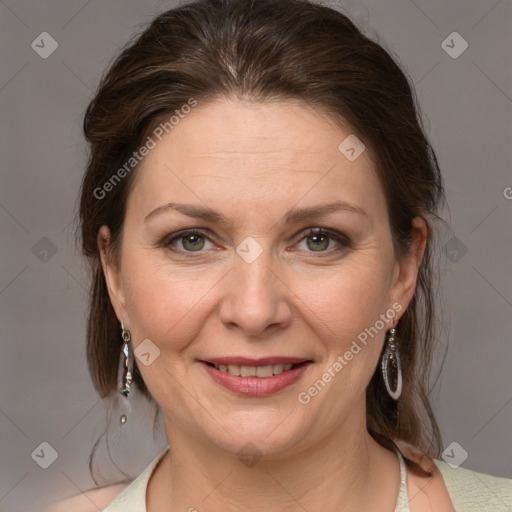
<point>292,217</point>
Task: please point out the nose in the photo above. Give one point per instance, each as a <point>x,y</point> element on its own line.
<point>256,300</point>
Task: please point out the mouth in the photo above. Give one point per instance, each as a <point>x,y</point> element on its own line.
<point>259,371</point>
<point>255,377</point>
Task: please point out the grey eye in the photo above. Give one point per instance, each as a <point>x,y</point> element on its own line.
<point>318,242</point>
<point>193,242</point>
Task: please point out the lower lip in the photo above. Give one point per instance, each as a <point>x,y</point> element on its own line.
<point>256,386</point>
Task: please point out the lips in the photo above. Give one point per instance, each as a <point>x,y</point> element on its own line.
<point>247,361</point>
<point>254,377</point>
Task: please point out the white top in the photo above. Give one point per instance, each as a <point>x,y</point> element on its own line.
<point>469,491</point>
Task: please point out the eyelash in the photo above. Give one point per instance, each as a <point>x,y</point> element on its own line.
<point>342,240</point>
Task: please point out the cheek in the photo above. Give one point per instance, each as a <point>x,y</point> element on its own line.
<point>346,326</point>
<point>171,312</point>
<point>166,304</point>
<point>348,332</point>
<point>170,305</point>
<point>347,301</point>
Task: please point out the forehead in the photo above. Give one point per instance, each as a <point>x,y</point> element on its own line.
<point>237,152</point>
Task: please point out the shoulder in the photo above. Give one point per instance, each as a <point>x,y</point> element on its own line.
<point>454,488</point>
<point>89,501</point>
<point>469,488</point>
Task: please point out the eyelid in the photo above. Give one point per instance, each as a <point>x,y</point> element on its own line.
<point>167,240</point>
<point>341,239</point>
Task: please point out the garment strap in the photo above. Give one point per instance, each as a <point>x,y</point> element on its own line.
<point>402,502</point>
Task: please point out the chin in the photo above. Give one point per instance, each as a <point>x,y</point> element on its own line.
<point>256,436</point>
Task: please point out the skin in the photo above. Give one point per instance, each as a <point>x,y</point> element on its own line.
<point>252,163</point>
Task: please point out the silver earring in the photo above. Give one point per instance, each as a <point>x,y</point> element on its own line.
<point>390,366</point>
<point>125,374</point>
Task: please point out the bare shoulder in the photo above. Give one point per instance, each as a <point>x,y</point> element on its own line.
<point>89,501</point>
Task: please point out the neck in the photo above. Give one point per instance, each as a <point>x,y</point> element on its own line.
<point>344,471</point>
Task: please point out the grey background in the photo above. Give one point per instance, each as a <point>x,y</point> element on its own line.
<point>46,394</point>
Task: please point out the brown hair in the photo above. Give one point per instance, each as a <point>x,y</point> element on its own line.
<point>269,50</point>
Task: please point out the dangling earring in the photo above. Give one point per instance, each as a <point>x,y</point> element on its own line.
<point>390,366</point>
<point>125,374</point>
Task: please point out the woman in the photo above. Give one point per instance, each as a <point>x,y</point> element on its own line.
<point>259,210</point>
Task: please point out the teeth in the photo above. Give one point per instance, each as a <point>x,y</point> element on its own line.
<point>278,368</point>
<point>247,371</point>
<point>233,369</point>
<point>254,371</point>
<point>264,371</point>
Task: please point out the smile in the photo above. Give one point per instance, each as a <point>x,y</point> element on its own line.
<point>254,371</point>
<point>255,380</point>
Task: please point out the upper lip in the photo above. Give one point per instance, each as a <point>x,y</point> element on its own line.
<point>248,361</point>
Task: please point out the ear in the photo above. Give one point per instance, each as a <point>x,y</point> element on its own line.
<point>112,273</point>
<point>406,270</point>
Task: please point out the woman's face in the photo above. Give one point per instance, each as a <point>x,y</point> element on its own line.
<point>248,280</point>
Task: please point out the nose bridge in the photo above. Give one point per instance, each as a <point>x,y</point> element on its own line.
<point>255,276</point>
<point>256,297</point>
<point>255,281</point>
